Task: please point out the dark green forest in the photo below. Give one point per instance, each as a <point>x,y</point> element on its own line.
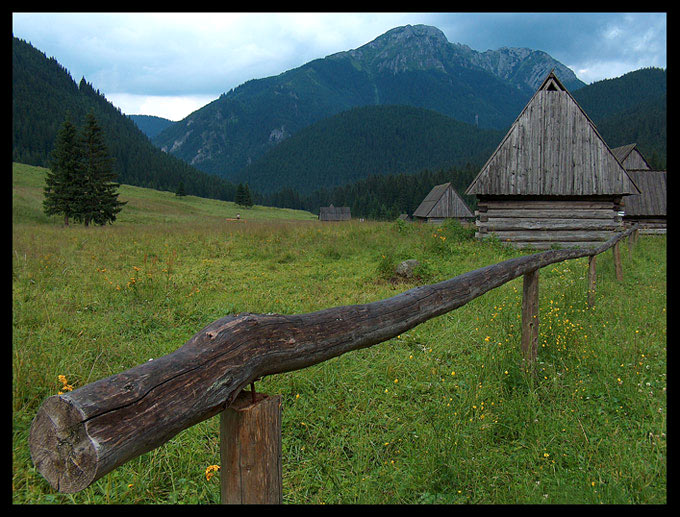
<point>370,140</point>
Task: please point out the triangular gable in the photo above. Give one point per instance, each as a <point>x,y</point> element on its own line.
<point>430,201</point>
<point>552,149</point>
<point>631,153</point>
<point>443,201</point>
<point>622,152</point>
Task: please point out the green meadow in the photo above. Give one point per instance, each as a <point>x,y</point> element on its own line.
<point>442,414</point>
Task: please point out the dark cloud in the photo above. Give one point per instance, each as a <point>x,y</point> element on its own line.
<point>595,45</point>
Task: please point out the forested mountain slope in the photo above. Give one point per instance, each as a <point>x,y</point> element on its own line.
<point>370,140</point>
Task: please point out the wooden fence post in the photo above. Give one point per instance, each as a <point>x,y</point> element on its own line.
<point>250,451</point>
<point>617,261</point>
<point>530,316</point>
<point>631,238</point>
<point>592,280</point>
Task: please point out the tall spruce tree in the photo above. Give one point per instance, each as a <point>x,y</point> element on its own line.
<point>180,192</point>
<point>98,199</point>
<point>60,183</point>
<point>240,195</point>
<point>247,197</point>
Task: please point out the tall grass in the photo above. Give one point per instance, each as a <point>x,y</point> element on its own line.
<point>443,413</point>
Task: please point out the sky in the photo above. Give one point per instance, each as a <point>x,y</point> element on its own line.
<point>171,64</point>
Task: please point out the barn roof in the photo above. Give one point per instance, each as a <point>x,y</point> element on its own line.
<point>552,149</point>
<point>652,199</point>
<point>443,201</point>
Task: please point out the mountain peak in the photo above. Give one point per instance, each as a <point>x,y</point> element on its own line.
<point>423,47</point>
<point>400,49</point>
<point>405,32</point>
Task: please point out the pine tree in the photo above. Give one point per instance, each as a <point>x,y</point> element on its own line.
<point>247,197</point>
<point>98,200</point>
<point>60,190</point>
<point>240,195</point>
<point>180,189</point>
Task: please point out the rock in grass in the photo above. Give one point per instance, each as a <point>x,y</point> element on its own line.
<point>406,268</point>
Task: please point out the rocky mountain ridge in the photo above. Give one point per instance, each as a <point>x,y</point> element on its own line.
<point>428,48</point>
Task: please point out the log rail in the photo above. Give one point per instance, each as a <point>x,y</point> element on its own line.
<point>78,437</point>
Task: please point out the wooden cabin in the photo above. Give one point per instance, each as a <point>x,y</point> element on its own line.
<point>552,181</point>
<point>334,213</point>
<point>647,209</point>
<point>442,203</point>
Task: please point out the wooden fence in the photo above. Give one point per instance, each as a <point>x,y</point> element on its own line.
<point>78,437</point>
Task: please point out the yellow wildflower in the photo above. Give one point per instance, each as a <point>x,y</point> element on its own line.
<point>210,471</point>
<point>66,386</point>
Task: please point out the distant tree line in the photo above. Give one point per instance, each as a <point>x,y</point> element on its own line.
<point>379,197</point>
<point>80,184</point>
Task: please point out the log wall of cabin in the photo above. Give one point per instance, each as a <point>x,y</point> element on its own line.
<point>648,225</point>
<point>542,223</point>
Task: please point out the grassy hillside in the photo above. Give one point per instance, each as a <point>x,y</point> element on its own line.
<point>443,413</point>
<point>145,206</point>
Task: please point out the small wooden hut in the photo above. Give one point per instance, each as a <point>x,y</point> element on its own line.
<point>334,213</point>
<point>552,180</point>
<point>442,203</point>
<point>647,209</point>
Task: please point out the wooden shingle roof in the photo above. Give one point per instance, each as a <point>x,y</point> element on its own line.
<point>443,201</point>
<point>552,149</point>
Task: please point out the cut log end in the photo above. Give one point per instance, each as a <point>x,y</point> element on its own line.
<point>61,450</point>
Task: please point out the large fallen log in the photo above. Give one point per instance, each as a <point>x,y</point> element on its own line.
<point>79,436</point>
